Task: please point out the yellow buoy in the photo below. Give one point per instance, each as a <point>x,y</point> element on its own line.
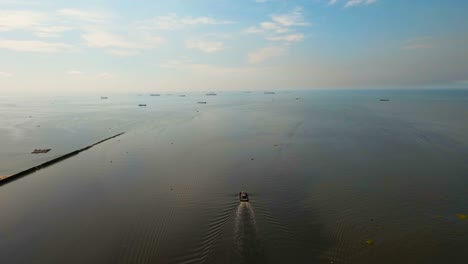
<point>462,216</point>
<point>370,242</point>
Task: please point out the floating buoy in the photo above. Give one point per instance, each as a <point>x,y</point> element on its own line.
<point>462,216</point>
<point>370,242</point>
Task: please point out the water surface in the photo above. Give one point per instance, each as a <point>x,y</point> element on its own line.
<point>326,172</point>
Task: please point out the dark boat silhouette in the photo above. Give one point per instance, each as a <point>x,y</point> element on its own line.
<point>243,197</point>
<point>38,151</point>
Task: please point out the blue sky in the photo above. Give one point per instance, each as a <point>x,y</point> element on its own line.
<point>175,45</point>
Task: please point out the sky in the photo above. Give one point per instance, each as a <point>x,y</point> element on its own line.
<point>64,46</point>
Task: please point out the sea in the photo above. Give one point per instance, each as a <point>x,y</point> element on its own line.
<point>333,176</point>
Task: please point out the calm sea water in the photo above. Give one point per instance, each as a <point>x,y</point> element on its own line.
<point>333,177</point>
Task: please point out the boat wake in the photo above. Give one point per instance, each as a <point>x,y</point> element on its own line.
<point>245,232</point>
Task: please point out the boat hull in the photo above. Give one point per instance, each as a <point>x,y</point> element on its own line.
<point>243,197</point>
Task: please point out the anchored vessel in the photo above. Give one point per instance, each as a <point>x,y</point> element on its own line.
<point>37,151</point>
<point>243,197</point>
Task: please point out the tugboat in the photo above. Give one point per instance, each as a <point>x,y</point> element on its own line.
<point>243,197</point>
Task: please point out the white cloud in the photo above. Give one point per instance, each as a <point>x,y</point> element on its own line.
<point>35,46</point>
<point>105,75</point>
<point>351,3</point>
<point>280,24</point>
<point>20,20</point>
<point>293,18</point>
<point>173,21</point>
<point>288,38</point>
<point>205,46</point>
<point>418,43</point>
<point>253,30</point>
<point>74,72</point>
<point>40,24</point>
<point>5,74</point>
<point>50,31</point>
<point>118,45</point>
<point>273,27</point>
<point>86,16</point>
<point>265,54</point>
<point>101,39</point>
<point>123,52</point>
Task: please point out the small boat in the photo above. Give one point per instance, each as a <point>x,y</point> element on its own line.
<point>104,97</point>
<point>269,92</point>
<point>243,197</point>
<point>384,100</point>
<point>155,95</point>
<point>38,151</point>
<point>211,94</point>
<point>142,105</point>
<point>182,95</point>
<point>201,102</point>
